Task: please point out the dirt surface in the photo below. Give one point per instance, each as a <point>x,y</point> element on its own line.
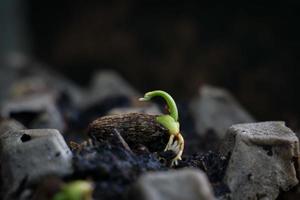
<point>113,167</point>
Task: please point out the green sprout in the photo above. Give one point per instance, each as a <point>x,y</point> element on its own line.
<point>170,122</point>
<point>76,190</point>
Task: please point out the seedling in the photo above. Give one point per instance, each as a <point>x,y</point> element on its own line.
<point>170,122</point>
<point>76,190</point>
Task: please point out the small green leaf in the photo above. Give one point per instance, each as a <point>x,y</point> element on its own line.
<point>168,122</point>
<point>76,190</point>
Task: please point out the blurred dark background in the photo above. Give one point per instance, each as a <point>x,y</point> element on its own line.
<point>249,48</point>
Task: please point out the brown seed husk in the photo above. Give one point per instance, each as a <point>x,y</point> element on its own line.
<point>136,129</point>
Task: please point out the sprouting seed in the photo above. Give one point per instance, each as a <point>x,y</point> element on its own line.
<point>170,122</point>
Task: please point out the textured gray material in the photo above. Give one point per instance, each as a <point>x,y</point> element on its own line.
<point>187,184</point>
<point>216,109</point>
<point>35,78</point>
<point>40,79</point>
<point>29,155</point>
<point>106,84</point>
<point>10,125</point>
<point>264,160</point>
<point>46,112</point>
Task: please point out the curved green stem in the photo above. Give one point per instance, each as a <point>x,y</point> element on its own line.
<point>170,101</point>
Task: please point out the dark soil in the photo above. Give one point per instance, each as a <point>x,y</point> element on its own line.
<point>213,164</point>
<point>113,167</point>
<point>114,163</point>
